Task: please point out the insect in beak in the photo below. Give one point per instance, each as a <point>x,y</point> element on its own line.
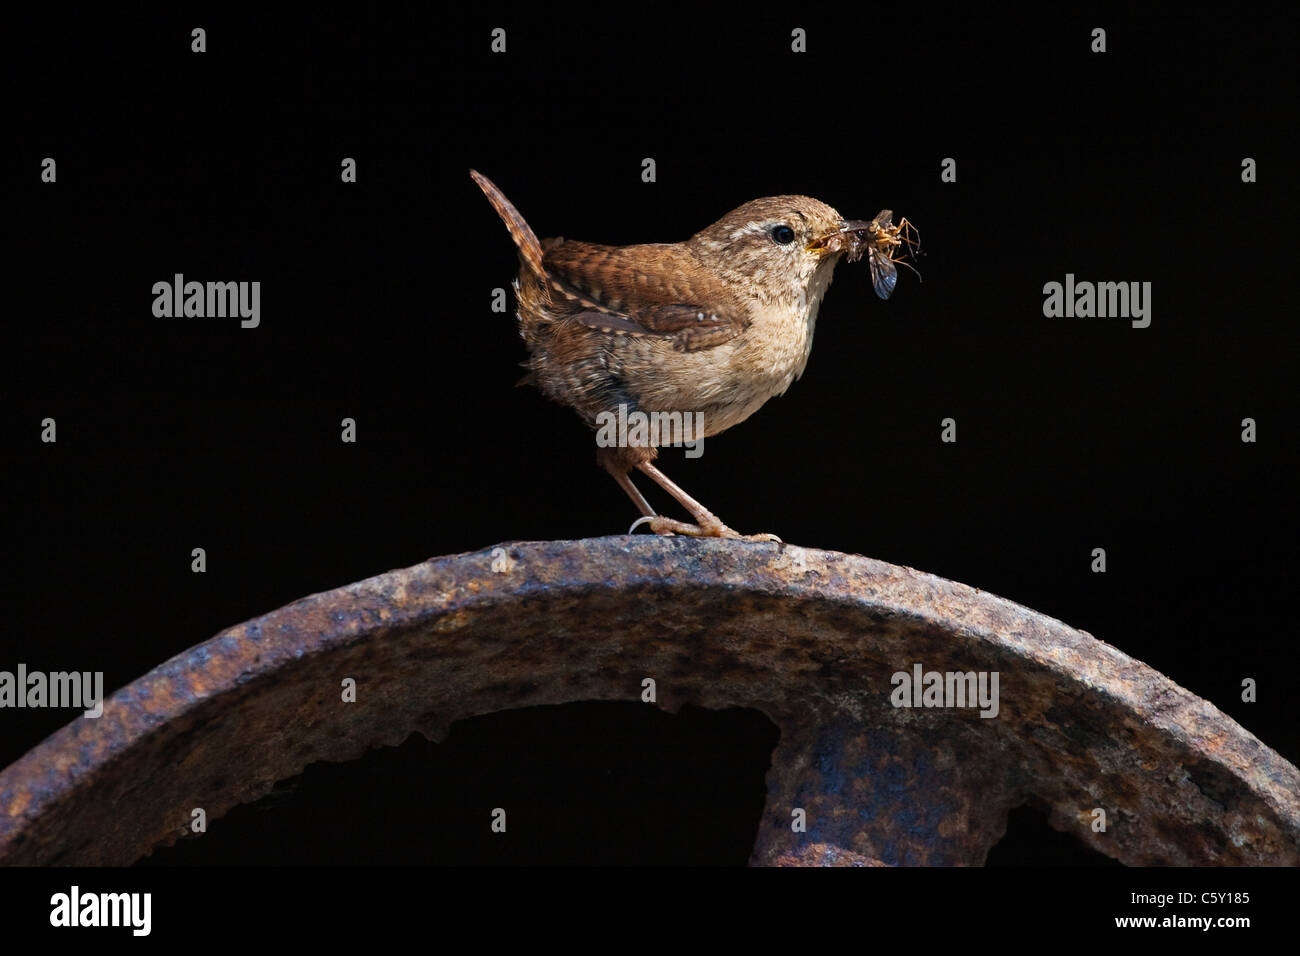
<point>880,238</point>
<point>850,238</point>
<point>877,240</point>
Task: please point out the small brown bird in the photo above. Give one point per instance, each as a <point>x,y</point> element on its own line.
<point>714,325</point>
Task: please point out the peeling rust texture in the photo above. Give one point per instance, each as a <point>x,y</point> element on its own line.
<point>809,637</point>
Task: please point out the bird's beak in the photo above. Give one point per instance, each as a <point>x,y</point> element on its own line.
<point>852,236</point>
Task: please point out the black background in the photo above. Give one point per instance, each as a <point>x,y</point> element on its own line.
<point>1072,433</point>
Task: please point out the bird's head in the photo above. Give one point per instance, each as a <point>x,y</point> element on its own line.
<point>780,248</point>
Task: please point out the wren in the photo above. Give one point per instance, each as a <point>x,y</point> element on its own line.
<point>716,325</point>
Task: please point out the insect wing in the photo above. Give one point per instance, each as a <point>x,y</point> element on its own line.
<point>884,274</point>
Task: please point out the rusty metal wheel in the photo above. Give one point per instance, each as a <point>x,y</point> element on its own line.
<point>810,638</point>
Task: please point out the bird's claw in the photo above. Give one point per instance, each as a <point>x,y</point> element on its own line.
<point>648,519</point>
<point>670,526</point>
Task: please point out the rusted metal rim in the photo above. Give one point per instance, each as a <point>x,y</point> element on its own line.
<point>811,638</point>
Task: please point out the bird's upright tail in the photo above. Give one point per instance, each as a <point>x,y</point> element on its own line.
<point>529,248</point>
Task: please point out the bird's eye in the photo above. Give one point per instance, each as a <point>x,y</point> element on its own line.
<point>783,235</point>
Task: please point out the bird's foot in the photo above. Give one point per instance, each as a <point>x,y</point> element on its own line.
<point>709,529</point>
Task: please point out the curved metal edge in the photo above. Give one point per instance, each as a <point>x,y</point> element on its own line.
<point>180,695</point>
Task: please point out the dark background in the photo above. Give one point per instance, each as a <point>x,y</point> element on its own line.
<point>1072,433</point>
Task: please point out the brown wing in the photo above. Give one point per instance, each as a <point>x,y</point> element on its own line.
<point>610,288</point>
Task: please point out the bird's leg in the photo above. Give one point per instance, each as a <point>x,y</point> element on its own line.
<point>618,467</point>
<point>620,461</point>
<point>707,524</point>
<point>625,482</point>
